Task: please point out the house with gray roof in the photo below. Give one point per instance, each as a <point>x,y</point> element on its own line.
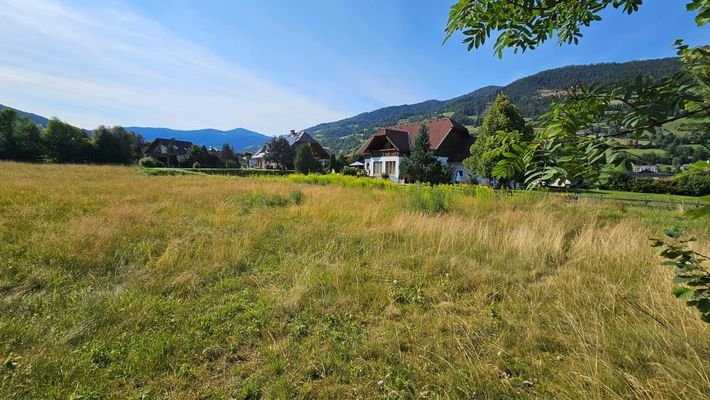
<point>295,139</point>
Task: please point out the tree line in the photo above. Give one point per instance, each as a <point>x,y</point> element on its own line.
<point>23,140</point>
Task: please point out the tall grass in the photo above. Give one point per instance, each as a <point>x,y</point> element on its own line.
<point>119,285</point>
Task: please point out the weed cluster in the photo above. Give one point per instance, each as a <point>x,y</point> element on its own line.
<point>429,199</point>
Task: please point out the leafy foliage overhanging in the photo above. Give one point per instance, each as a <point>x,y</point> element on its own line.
<point>566,148</point>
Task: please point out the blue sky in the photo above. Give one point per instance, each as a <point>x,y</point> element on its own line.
<point>272,66</point>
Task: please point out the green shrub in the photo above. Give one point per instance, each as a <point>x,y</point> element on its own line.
<point>296,197</point>
<point>385,175</point>
<point>618,180</point>
<point>149,162</point>
<point>350,171</point>
<point>429,199</point>
<point>693,185</point>
<point>196,164</point>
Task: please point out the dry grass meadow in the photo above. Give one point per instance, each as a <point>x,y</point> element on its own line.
<point>117,285</point>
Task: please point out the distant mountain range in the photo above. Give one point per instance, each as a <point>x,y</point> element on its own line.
<point>241,139</point>
<point>532,95</point>
<point>37,119</point>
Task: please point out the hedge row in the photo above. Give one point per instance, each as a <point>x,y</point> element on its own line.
<point>241,171</point>
<point>693,185</point>
<point>218,171</point>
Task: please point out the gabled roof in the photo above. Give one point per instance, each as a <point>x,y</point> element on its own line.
<point>260,153</point>
<point>304,137</point>
<point>399,139</point>
<point>298,138</point>
<point>180,146</point>
<point>402,136</point>
<point>438,130</point>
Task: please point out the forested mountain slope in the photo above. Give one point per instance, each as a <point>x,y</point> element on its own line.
<point>531,94</point>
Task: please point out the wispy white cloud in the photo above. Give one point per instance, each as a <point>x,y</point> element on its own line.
<point>103,66</point>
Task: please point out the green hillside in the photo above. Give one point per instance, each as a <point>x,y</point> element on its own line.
<point>531,94</point>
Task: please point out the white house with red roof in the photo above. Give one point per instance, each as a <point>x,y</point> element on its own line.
<point>450,141</point>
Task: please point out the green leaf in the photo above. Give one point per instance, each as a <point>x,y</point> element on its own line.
<point>673,231</point>
<point>682,292</point>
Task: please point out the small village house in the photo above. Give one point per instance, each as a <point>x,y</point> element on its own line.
<point>170,152</point>
<point>295,139</point>
<point>450,141</point>
<point>645,168</point>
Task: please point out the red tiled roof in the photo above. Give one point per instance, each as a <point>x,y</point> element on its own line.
<point>439,130</point>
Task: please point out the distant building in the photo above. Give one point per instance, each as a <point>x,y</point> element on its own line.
<point>450,141</point>
<point>638,169</point>
<point>170,152</point>
<point>648,172</point>
<point>296,140</point>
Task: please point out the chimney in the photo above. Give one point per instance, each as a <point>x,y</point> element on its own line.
<point>293,132</point>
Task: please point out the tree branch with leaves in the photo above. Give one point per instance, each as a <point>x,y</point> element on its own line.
<point>567,149</point>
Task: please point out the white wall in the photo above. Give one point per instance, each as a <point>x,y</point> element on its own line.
<point>370,170</point>
<point>456,167</point>
<point>460,174</point>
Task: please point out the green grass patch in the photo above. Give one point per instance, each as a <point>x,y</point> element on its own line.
<point>638,152</point>
<point>342,180</point>
<point>640,196</point>
<point>253,200</point>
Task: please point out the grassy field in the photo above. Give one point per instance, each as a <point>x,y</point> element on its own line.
<point>638,152</point>
<point>614,194</point>
<point>675,126</point>
<point>119,285</point>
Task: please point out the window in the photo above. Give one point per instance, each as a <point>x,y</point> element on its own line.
<point>389,167</point>
<point>377,167</point>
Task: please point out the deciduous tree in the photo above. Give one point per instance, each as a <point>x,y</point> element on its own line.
<point>115,145</point>
<point>20,138</point>
<point>66,143</point>
<point>279,151</point>
<point>566,149</point>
